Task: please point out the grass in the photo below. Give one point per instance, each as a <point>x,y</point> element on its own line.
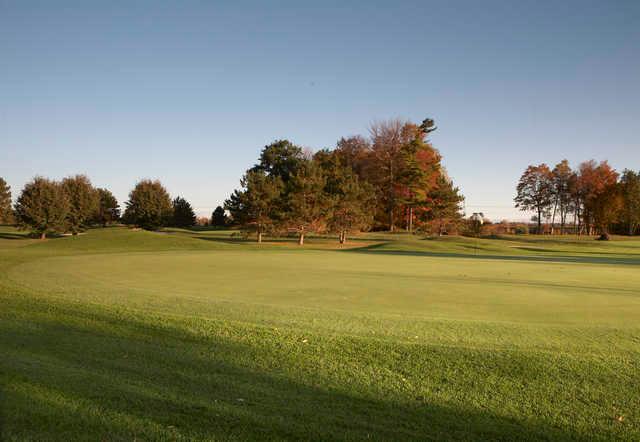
<point>195,335</point>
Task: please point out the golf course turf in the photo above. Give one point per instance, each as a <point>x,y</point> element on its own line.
<point>119,334</point>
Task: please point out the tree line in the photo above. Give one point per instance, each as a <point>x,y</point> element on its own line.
<point>393,177</point>
<point>593,199</point>
<point>73,204</point>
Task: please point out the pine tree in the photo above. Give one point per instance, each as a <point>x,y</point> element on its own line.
<point>445,200</point>
<point>219,217</point>
<point>6,213</point>
<point>256,205</point>
<point>42,207</point>
<point>306,201</point>
<point>183,214</point>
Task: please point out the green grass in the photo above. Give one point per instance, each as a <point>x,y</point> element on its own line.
<point>123,335</point>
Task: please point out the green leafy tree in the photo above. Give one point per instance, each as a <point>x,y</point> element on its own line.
<point>219,217</point>
<point>630,192</point>
<point>183,214</point>
<point>108,208</point>
<point>42,207</point>
<point>256,205</point>
<point>6,212</point>
<point>535,192</point>
<point>306,200</point>
<point>149,205</point>
<point>281,159</point>
<point>83,201</point>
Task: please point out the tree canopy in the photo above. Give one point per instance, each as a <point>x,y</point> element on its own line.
<point>42,207</point>
<point>149,205</point>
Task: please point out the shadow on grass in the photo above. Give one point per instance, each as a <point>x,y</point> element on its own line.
<point>97,377</point>
<point>7,235</point>
<point>374,249</point>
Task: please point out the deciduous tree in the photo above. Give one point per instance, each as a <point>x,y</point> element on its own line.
<point>83,201</point>
<point>42,207</point>
<point>561,178</point>
<point>535,192</point>
<point>149,205</point>
<point>108,208</point>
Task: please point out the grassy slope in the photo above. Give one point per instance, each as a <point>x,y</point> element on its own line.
<point>120,334</point>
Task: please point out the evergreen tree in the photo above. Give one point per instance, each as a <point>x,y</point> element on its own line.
<point>280,159</point>
<point>108,208</point>
<point>42,207</point>
<point>183,214</point>
<point>149,205</point>
<point>630,191</point>
<point>83,201</point>
<point>418,173</point>
<point>6,212</point>
<point>256,205</point>
<point>351,202</point>
<point>219,217</point>
<point>445,200</point>
<point>306,200</point>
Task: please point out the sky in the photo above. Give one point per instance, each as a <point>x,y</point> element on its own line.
<point>189,92</point>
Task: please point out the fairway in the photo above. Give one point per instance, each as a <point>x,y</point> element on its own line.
<point>186,335</point>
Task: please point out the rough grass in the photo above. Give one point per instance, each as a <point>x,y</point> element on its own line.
<point>122,335</point>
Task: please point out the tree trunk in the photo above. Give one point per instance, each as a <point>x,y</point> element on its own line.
<point>43,235</point>
<point>553,218</point>
<point>343,237</point>
<point>539,222</point>
<point>259,236</point>
<point>410,219</point>
<point>301,239</point>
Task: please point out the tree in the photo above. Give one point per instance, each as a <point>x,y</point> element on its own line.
<point>83,201</point>
<point>351,202</point>
<point>219,217</point>
<point>418,173</point>
<point>445,200</point>
<point>6,213</point>
<point>630,193</point>
<point>387,140</point>
<point>256,204</point>
<point>149,205</point>
<point>534,192</point>
<point>42,206</point>
<point>108,208</point>
<point>183,214</point>
<point>561,179</point>
<point>281,158</point>
<point>306,200</point>
<point>600,200</point>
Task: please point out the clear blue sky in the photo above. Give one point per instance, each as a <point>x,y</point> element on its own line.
<point>190,91</point>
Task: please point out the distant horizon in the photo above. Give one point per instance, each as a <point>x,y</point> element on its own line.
<point>189,93</point>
